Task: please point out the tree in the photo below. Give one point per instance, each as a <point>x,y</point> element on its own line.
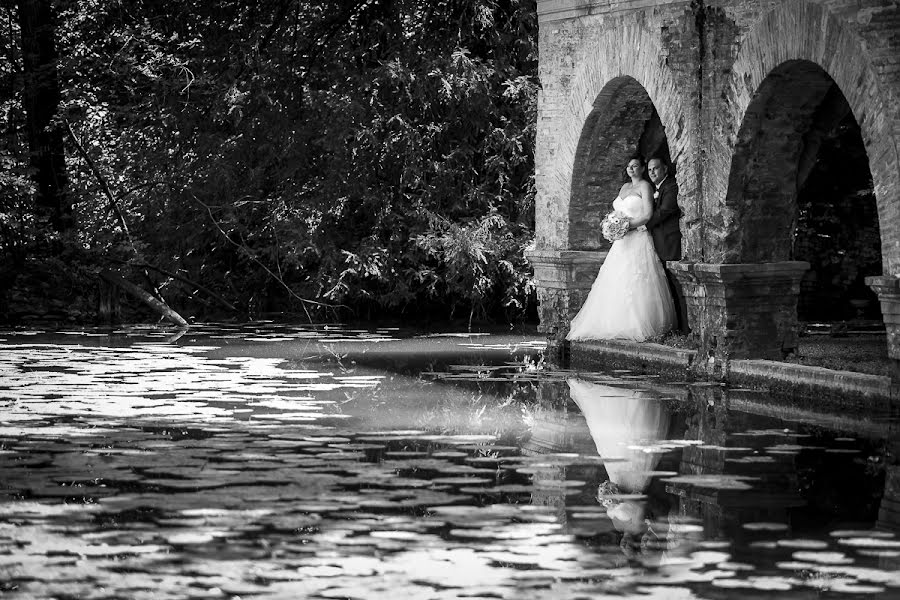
<point>372,155</point>
<point>41,99</point>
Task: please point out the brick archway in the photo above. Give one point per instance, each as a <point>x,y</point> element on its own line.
<point>777,141</point>
<point>781,84</point>
<point>600,102</point>
<point>621,86</point>
<point>622,122</point>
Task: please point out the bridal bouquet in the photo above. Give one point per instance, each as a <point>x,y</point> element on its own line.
<point>614,226</point>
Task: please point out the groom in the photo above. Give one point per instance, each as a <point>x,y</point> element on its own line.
<point>666,232</point>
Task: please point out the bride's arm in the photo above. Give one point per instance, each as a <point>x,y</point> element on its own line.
<point>646,206</point>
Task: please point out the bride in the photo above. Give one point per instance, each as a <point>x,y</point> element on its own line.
<point>630,298</point>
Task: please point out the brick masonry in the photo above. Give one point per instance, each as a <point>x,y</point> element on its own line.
<point>743,310</point>
<point>736,85</point>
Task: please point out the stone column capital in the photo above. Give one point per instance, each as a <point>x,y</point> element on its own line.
<point>567,257</point>
<point>565,269</point>
<point>563,279</point>
<point>739,273</point>
<point>887,287</point>
<point>884,284</point>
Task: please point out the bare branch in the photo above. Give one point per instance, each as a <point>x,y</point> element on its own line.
<point>140,186</point>
<point>113,203</point>
<point>146,297</point>
<point>303,301</point>
<point>192,283</point>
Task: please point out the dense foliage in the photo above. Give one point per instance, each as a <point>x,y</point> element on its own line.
<point>347,158</point>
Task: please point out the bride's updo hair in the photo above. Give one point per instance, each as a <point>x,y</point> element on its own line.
<point>638,157</point>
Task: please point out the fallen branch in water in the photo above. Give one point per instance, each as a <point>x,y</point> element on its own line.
<point>146,297</point>
<point>188,282</point>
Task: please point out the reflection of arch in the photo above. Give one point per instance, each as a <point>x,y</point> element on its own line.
<point>622,78</point>
<point>782,83</point>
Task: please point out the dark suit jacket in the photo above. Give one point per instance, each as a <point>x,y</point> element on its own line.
<point>664,224</point>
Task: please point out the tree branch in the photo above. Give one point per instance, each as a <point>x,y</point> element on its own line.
<point>192,283</point>
<point>276,22</point>
<point>146,297</point>
<point>113,203</point>
<point>140,186</point>
<point>249,254</point>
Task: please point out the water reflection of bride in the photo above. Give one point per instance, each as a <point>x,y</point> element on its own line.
<point>625,427</point>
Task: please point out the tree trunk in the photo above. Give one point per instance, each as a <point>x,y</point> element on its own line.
<point>41,98</point>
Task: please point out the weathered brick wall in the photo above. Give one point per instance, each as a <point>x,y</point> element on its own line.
<point>622,111</point>
<point>759,117</point>
<point>702,65</point>
<point>762,181</point>
<point>603,70</point>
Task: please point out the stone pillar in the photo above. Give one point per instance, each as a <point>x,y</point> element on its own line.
<point>742,310</point>
<point>888,290</point>
<point>889,509</point>
<point>563,279</point>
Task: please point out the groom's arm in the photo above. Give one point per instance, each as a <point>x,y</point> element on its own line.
<point>668,206</point>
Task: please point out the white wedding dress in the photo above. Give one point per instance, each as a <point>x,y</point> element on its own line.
<point>630,298</point>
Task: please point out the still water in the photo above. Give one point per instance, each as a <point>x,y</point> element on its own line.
<point>315,462</point>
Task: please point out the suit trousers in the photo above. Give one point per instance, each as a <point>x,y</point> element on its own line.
<point>681,320</point>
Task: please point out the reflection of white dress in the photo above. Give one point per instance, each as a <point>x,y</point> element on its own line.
<point>617,419</point>
<point>630,297</point>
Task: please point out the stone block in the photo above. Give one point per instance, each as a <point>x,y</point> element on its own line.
<point>888,290</point>
<point>563,279</point>
<point>742,311</point>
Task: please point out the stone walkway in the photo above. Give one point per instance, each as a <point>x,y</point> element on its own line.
<point>860,352</point>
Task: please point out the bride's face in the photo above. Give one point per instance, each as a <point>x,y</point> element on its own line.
<point>634,168</point>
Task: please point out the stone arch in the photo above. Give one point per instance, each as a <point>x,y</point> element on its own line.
<point>622,122</point>
<point>794,69</point>
<point>622,77</point>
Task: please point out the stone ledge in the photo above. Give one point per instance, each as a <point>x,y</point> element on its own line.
<point>566,257</point>
<point>887,283</point>
<point>555,10</point>
<point>793,377</point>
<point>645,353</point>
<point>742,273</point>
<point>828,385</point>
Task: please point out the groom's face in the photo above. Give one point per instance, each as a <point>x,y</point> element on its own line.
<point>657,171</point>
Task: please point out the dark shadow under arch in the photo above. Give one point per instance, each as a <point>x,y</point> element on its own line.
<point>783,129</point>
<point>799,179</point>
<point>623,121</point>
